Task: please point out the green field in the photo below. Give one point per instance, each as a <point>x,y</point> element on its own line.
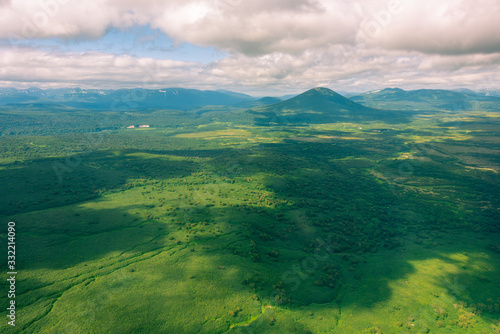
<point>228,221</point>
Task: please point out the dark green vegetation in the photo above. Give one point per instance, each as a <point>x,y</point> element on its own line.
<point>122,99</point>
<point>429,99</point>
<point>312,215</point>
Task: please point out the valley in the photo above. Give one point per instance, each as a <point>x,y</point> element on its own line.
<point>233,214</point>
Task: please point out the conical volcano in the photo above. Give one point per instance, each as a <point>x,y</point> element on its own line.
<point>321,99</point>
<point>316,106</point>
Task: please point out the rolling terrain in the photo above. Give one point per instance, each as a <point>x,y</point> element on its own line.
<point>122,99</point>
<point>428,99</point>
<point>317,214</point>
<point>319,106</point>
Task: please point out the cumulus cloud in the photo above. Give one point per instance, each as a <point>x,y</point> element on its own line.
<point>260,26</point>
<point>352,68</point>
<point>283,44</point>
<point>337,67</point>
<point>27,66</point>
<point>438,27</point>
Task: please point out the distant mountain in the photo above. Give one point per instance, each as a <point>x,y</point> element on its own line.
<point>316,104</point>
<point>396,98</point>
<point>122,99</point>
<point>319,99</point>
<point>465,91</point>
<point>319,105</point>
<point>288,96</point>
<point>261,102</point>
<point>269,100</point>
<point>484,93</point>
<point>343,93</point>
<point>235,94</point>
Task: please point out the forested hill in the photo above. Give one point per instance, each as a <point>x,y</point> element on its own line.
<point>320,105</point>
<point>439,99</point>
<point>168,98</point>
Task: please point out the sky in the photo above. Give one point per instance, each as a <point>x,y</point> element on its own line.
<point>259,47</point>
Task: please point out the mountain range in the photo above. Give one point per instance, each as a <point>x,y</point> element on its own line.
<point>313,101</point>
<point>319,105</point>
<point>396,98</point>
<point>123,99</point>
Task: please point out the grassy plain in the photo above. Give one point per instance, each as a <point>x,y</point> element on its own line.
<point>212,224</point>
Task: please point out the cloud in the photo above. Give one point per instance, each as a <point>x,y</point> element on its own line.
<point>342,68</point>
<point>284,45</point>
<point>26,66</point>
<point>357,69</point>
<point>439,27</point>
<point>256,27</point>
<point>260,26</point>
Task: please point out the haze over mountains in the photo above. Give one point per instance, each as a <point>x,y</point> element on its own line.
<point>317,99</point>
<point>392,98</point>
<point>319,105</point>
<point>169,98</point>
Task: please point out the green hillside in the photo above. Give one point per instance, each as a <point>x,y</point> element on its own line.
<point>320,105</point>
<point>311,215</point>
<point>427,99</point>
<point>121,99</point>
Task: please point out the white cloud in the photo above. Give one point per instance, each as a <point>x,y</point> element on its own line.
<point>261,26</point>
<point>441,27</point>
<point>341,68</point>
<point>281,44</point>
<point>25,66</point>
